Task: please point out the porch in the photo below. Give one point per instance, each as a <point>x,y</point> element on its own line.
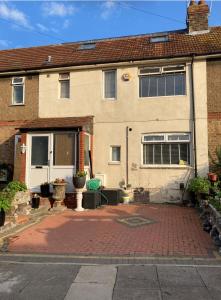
<point>51,148</point>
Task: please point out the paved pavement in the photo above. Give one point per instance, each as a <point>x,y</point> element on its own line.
<point>65,280</point>
<point>123,230</point>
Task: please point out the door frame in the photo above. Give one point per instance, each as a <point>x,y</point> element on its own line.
<point>50,166</point>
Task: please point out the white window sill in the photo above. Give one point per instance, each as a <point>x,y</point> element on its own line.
<point>114,163</point>
<point>109,99</point>
<point>166,167</point>
<point>17,104</point>
<point>64,99</point>
<point>160,97</point>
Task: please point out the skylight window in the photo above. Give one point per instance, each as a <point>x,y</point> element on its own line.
<point>87,46</point>
<point>158,39</point>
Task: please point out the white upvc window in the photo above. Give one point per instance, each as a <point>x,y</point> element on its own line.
<point>166,149</point>
<point>64,80</point>
<point>18,86</point>
<point>115,154</point>
<point>110,84</point>
<point>162,81</point>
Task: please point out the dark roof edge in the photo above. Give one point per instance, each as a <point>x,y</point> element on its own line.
<point>90,63</point>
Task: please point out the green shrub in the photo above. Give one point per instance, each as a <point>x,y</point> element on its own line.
<point>199,185</point>
<point>80,174</point>
<point>17,186</point>
<point>8,193</point>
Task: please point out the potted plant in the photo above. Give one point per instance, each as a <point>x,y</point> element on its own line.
<point>127,194</point>
<point>212,177</point>
<point>79,179</point>
<point>200,187</point>
<point>59,186</point>
<point>45,189</point>
<point>5,205</point>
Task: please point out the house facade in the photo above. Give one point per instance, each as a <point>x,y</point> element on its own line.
<point>137,105</point>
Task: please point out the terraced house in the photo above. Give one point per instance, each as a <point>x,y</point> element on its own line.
<point>138,103</point>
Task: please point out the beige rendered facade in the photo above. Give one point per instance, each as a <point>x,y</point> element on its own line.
<point>167,114</point>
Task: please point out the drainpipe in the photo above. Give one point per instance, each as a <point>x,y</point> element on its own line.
<point>127,155</point>
<point>194,117</point>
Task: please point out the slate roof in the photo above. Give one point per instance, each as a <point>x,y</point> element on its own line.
<point>112,50</point>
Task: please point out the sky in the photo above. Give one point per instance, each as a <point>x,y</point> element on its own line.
<point>35,23</point>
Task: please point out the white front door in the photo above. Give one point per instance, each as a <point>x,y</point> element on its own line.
<point>51,156</point>
<point>39,160</point>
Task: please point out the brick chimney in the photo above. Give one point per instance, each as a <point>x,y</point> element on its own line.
<point>197,16</point>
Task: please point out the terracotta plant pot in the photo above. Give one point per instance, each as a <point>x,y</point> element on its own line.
<point>79,182</point>
<point>212,177</point>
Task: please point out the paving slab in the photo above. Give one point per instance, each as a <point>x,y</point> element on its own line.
<point>136,294</point>
<point>137,277</point>
<point>35,281</point>
<point>97,274</point>
<point>211,277</point>
<point>178,276</point>
<point>89,291</point>
<point>178,293</point>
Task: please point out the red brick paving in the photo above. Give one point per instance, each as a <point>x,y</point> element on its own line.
<point>176,232</point>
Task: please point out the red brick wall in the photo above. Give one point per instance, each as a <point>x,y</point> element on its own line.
<point>81,151</point>
<point>7,141</point>
<point>214,105</point>
<point>23,158</point>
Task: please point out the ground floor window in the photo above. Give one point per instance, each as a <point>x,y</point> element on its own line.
<point>115,154</point>
<point>166,149</point>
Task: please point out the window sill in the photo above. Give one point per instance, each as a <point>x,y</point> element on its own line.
<point>109,99</point>
<point>161,97</point>
<point>165,167</point>
<point>114,163</point>
<point>22,104</point>
<point>64,99</point>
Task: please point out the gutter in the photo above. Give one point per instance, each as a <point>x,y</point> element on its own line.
<point>194,117</point>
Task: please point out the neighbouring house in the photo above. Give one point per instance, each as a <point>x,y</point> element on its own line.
<point>18,102</point>
<point>214,104</point>
<point>138,103</point>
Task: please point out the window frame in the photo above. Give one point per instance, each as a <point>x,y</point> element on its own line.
<point>161,72</point>
<point>18,84</point>
<point>103,77</point>
<point>114,162</point>
<point>64,79</point>
<point>166,142</point>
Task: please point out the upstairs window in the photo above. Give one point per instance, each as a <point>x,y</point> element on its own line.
<point>18,90</point>
<point>110,84</point>
<point>166,149</point>
<point>64,80</point>
<point>162,81</point>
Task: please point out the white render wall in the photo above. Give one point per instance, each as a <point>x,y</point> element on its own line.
<point>147,115</point>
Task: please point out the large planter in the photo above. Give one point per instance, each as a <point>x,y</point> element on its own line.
<point>79,182</point>
<point>59,191</point>
<point>45,190</point>
<point>2,217</point>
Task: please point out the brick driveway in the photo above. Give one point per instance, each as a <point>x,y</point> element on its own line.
<point>174,231</point>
